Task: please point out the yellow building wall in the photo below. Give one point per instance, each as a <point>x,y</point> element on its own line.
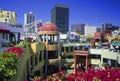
<point>8,17</point>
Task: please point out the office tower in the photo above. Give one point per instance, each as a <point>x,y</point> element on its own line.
<point>60,17</point>
<point>90,30</point>
<point>78,28</point>
<point>98,29</point>
<point>107,26</point>
<point>29,18</point>
<point>8,17</point>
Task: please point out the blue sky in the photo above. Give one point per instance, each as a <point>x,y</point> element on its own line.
<point>92,12</point>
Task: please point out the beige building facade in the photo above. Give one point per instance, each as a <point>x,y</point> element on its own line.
<point>9,17</point>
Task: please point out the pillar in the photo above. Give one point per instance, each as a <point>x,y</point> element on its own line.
<point>47,38</point>
<point>8,37</point>
<point>59,62</point>
<point>18,37</point>
<point>46,60</point>
<point>5,35</point>
<point>58,38</point>
<point>86,62</point>
<point>43,38</point>
<point>101,59</point>
<point>82,47</point>
<point>75,64</point>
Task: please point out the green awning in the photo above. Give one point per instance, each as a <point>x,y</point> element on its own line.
<point>116,43</point>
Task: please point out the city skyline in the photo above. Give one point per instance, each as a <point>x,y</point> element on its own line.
<point>92,12</point>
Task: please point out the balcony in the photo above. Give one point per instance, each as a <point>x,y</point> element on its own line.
<point>51,47</point>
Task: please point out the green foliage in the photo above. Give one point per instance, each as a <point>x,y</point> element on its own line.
<point>8,65</point>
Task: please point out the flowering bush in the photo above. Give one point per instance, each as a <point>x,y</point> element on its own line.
<point>8,64</point>
<point>107,74</point>
<point>15,50</point>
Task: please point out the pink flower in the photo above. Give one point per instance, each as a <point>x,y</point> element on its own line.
<point>25,80</point>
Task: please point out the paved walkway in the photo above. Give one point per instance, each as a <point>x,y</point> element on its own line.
<point>3,48</point>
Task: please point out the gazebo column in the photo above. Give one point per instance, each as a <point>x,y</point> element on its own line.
<point>43,38</point>
<point>86,62</point>
<point>47,38</point>
<point>46,61</point>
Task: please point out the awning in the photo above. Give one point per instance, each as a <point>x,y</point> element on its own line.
<point>117,43</point>
<point>4,29</point>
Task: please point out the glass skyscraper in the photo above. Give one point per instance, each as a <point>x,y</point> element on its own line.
<point>60,17</point>
<point>29,18</point>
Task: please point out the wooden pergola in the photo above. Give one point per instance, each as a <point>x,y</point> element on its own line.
<point>81,59</point>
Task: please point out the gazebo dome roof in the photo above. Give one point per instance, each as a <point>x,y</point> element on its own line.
<point>48,26</point>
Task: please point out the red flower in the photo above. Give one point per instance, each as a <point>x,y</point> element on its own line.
<point>15,50</point>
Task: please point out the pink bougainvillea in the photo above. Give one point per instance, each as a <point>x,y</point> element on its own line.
<point>107,74</point>
<point>15,50</point>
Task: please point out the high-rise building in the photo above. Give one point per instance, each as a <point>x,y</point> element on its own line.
<point>60,17</point>
<point>29,18</point>
<point>8,17</point>
<point>90,30</point>
<point>107,26</point>
<point>98,29</point>
<point>78,28</point>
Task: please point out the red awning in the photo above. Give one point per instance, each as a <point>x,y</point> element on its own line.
<point>4,29</point>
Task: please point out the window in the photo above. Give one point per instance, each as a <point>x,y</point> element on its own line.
<point>71,49</point>
<point>2,15</point>
<point>8,16</point>
<point>67,49</point>
<point>5,19</point>
<point>62,49</point>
